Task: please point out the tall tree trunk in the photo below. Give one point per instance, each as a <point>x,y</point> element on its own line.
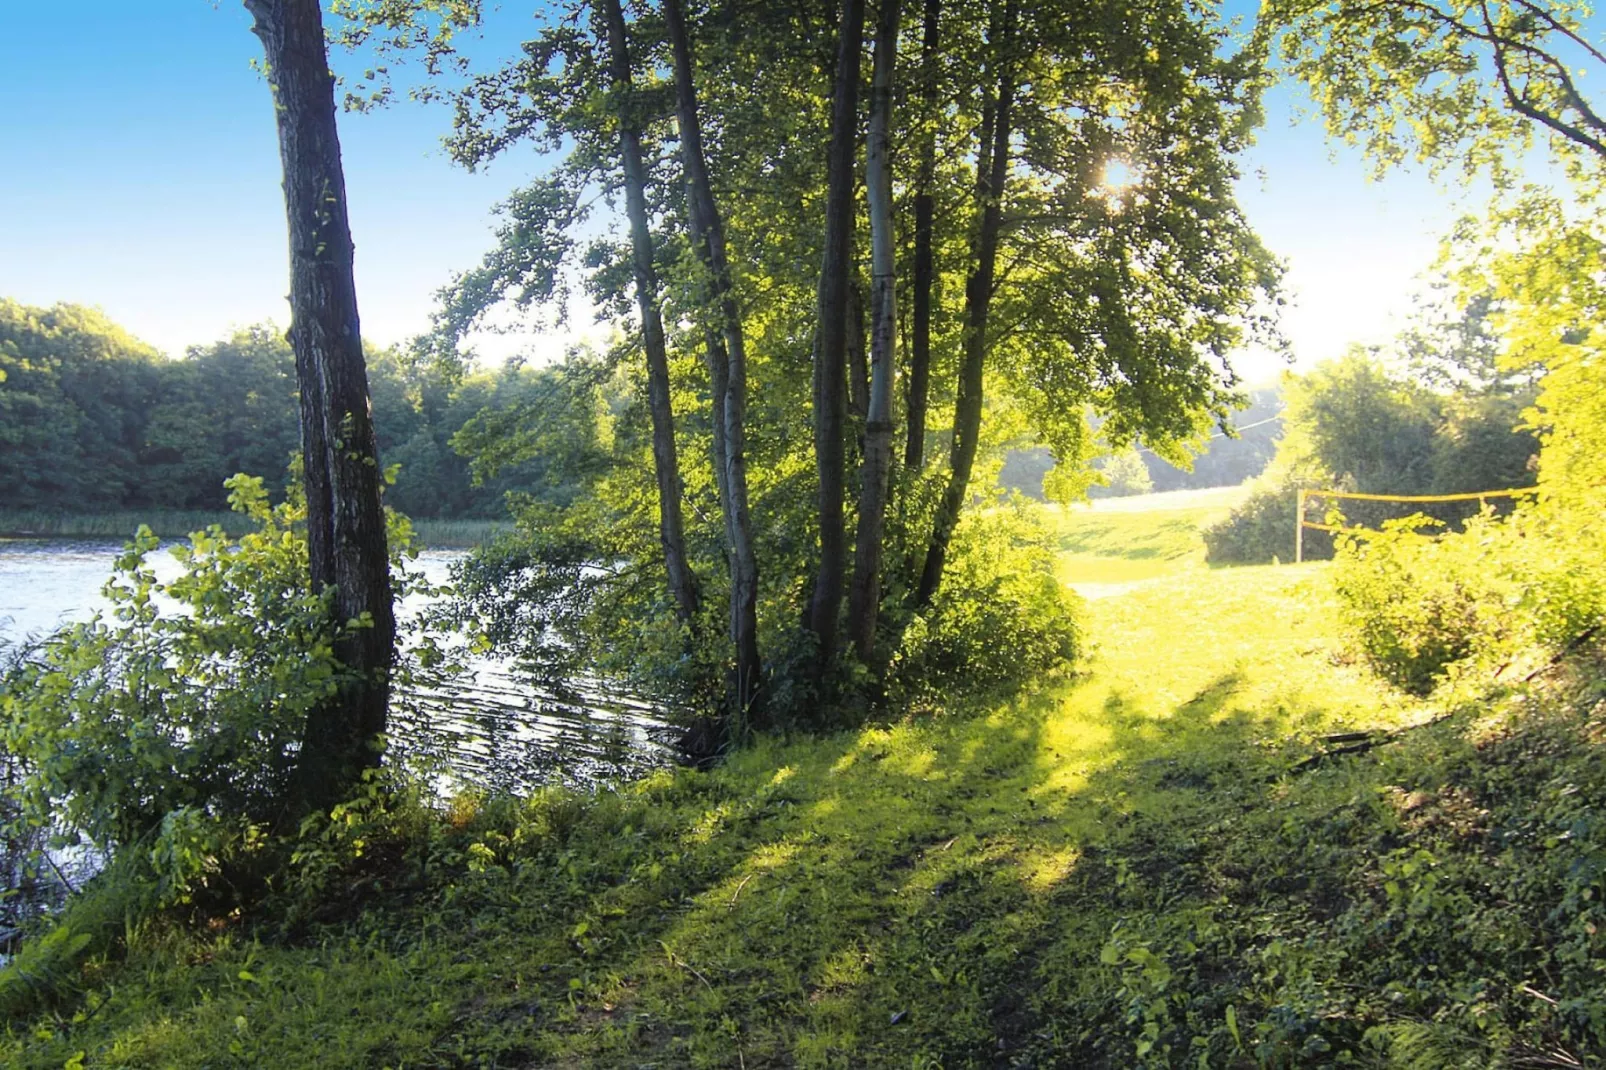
<point>719,385</point>
<point>914,449</point>
<point>315,473</point>
<point>708,235</point>
<point>858,356</point>
<point>864,595</point>
<point>992,169</point>
<point>340,460</point>
<point>830,340</point>
<point>671,526</point>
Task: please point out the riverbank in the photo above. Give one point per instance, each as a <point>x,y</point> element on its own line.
<point>169,524</point>
<point>1223,844</point>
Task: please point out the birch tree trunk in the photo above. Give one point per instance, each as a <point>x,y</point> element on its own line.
<point>864,595</point>
<point>992,169</point>
<point>857,353</point>
<point>708,235</point>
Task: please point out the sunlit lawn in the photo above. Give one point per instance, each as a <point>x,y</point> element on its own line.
<point>1131,540</point>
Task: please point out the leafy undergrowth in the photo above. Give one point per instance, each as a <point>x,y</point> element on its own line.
<point>1128,869</point>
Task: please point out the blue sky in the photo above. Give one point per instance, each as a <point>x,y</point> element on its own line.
<point>141,175</point>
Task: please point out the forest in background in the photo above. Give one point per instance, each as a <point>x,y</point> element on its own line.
<point>93,420</point>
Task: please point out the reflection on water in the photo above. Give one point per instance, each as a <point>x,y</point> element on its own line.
<point>487,729</point>
<point>45,583</point>
<point>490,731</point>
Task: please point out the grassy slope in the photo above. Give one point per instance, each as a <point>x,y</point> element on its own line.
<point>1132,540</point>
<point>1116,870</point>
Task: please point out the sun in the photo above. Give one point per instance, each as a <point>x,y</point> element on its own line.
<point>1117,178</point>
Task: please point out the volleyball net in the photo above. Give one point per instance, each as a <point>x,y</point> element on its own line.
<point>1301,524</point>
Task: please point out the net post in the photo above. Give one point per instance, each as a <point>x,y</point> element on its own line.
<point>1299,526</point>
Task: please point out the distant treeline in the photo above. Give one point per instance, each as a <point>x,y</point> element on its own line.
<point>1225,461</point>
<point>93,420</point>
<point>1229,461</point>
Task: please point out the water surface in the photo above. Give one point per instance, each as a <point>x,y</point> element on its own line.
<point>489,729</point>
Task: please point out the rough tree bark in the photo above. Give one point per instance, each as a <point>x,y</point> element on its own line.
<point>346,522</point>
<point>708,236</point>
<point>914,449</point>
<point>830,342</point>
<point>671,525</point>
<point>992,169</point>
<point>864,594</point>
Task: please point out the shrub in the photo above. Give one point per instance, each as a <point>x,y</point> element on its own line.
<point>1261,529</point>
<point>1001,617</point>
<point>1418,607</point>
<point>164,732</point>
<point>173,721</point>
<point>128,717</point>
<point>1414,604</point>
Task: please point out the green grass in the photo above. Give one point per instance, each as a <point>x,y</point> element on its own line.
<point>1131,540</point>
<point>458,534</point>
<point>174,524</point>
<point>1130,868</point>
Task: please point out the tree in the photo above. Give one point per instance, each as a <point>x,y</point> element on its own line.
<point>1080,304</point>
<point>1548,292</point>
<point>1361,427</point>
<point>728,353</point>
<point>682,580</point>
<point>992,171</point>
<point>75,390</point>
<point>1447,81</point>
<point>340,459</point>
<point>831,332</point>
<point>914,450</point>
<point>1125,474</point>
<point>864,596</point>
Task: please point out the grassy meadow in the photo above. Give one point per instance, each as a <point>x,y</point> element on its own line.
<point>1163,860</point>
<point>1127,541</point>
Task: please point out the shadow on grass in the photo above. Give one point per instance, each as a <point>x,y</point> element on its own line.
<point>941,894</point>
<point>1078,878</point>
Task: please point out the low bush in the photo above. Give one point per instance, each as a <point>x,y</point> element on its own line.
<point>1422,604</point>
<point>161,735</point>
<point>1417,604</point>
<point>1261,529</point>
<point>1001,618</point>
<point>189,695</point>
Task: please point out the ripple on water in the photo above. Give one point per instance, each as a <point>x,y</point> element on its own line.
<point>487,730</point>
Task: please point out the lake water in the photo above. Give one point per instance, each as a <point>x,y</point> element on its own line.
<point>489,729</point>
